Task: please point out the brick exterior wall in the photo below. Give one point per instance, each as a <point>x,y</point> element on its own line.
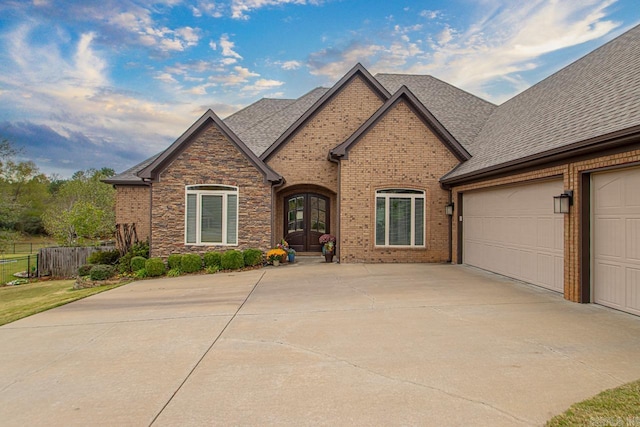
<point>571,174</point>
<point>302,160</point>
<point>210,158</point>
<point>132,207</point>
<point>400,151</point>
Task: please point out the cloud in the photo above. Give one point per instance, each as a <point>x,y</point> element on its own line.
<point>233,78</point>
<point>291,65</point>
<point>240,8</point>
<point>261,85</point>
<point>505,40</point>
<point>227,47</point>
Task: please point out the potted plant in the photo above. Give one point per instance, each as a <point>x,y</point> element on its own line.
<point>328,242</point>
<point>291,254</point>
<point>275,255</point>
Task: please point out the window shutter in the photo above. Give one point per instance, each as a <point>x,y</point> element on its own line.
<point>232,219</point>
<point>192,214</point>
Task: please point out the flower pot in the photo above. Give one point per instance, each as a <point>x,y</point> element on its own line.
<point>276,262</point>
<point>292,257</point>
<point>328,257</point>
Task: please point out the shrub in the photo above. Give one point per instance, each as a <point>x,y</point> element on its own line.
<point>141,273</point>
<point>84,270</point>
<point>174,272</point>
<point>104,257</point>
<point>101,272</point>
<point>137,263</point>
<point>139,249</point>
<point>252,257</point>
<point>212,259</point>
<point>174,261</point>
<point>155,267</point>
<point>232,260</point>
<point>191,263</point>
<point>212,269</point>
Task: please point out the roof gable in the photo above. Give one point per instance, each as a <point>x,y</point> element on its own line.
<point>260,125</point>
<point>357,71</point>
<point>403,94</point>
<point>151,171</point>
<point>462,113</point>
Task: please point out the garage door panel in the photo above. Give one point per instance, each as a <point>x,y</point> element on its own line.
<point>520,235</point>
<point>607,275</point>
<point>608,233</point>
<point>545,235</point>
<point>633,289</point>
<point>616,239</point>
<point>633,239</point>
<point>546,271</point>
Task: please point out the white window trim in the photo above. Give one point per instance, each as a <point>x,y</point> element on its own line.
<point>413,198</point>
<point>199,191</point>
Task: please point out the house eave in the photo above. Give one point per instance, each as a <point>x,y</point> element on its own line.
<point>592,146</point>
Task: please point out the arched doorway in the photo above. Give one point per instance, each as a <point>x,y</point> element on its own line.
<point>306,219</point>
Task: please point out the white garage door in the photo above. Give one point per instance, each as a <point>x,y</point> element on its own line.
<point>513,231</point>
<point>616,239</point>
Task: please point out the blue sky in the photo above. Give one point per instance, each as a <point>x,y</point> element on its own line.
<point>107,83</point>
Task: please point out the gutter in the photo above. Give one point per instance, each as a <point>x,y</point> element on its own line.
<point>594,145</point>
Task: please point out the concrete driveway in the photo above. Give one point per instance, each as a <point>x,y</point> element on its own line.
<point>314,344</point>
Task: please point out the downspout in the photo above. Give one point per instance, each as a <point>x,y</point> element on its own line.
<point>274,185</point>
<point>336,160</point>
<point>148,183</point>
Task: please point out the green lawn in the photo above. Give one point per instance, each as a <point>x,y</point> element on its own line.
<point>10,264</point>
<point>21,301</point>
<point>616,407</point>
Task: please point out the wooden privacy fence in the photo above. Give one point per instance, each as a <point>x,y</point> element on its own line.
<point>64,261</point>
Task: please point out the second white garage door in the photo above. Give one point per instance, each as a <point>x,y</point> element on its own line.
<point>616,239</point>
<point>513,231</point>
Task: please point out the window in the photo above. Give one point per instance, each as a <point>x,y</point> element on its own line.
<point>211,215</point>
<point>400,218</point>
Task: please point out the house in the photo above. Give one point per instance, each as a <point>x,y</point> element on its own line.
<point>380,161</point>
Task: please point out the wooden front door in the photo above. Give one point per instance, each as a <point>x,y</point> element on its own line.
<point>306,219</point>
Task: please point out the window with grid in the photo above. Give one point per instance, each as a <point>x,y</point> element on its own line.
<point>400,217</point>
<point>211,216</point>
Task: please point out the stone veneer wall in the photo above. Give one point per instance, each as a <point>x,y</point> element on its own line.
<point>210,158</point>
<point>400,151</point>
<point>133,207</point>
<point>303,159</point>
<point>571,173</point>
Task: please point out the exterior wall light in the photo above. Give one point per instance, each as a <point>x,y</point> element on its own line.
<point>562,202</point>
<point>448,208</point>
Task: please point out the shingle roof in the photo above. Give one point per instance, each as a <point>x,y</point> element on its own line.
<point>260,124</point>
<point>129,176</point>
<point>462,113</point>
<point>597,95</point>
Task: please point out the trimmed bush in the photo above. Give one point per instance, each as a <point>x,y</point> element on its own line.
<point>191,263</point>
<point>232,260</point>
<point>137,263</point>
<point>212,259</point>
<point>102,272</point>
<point>104,257</point>
<point>84,270</point>
<point>139,249</point>
<point>252,257</point>
<point>155,267</point>
<point>174,261</point>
